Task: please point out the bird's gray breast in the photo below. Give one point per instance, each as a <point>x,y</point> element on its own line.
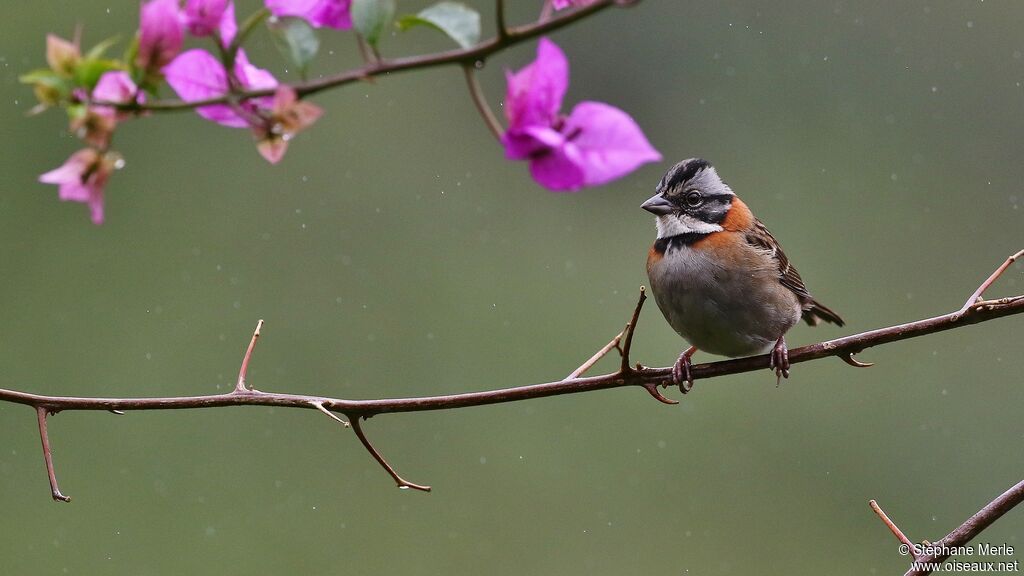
<point>732,306</point>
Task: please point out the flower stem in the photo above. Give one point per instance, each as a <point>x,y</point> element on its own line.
<point>250,24</point>
<point>481,101</point>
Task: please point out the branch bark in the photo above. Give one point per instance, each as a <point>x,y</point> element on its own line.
<point>649,379</point>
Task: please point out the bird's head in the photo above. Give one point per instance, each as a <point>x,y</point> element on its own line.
<point>690,199</point>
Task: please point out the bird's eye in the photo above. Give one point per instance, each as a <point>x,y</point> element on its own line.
<point>693,199</point>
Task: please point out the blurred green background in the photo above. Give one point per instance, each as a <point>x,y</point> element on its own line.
<point>394,252</point>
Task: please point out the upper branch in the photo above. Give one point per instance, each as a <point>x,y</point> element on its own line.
<point>466,56</point>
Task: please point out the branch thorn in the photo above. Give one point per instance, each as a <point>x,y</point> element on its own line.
<point>241,386</point>
<point>41,414</point>
<point>320,406</point>
<point>849,359</point>
<point>402,483</point>
<point>627,338</point>
<point>653,389</point>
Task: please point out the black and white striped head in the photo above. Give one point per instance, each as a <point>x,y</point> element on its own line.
<point>690,199</point>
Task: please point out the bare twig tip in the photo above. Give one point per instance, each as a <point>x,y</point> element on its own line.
<point>891,525</point>
<point>240,385</point>
<point>976,296</point>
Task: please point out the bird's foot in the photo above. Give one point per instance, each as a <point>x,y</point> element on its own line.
<point>682,373</point>
<point>779,360</point>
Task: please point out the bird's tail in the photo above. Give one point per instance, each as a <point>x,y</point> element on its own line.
<point>815,312</point>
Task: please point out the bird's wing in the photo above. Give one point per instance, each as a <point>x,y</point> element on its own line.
<point>813,311</point>
<point>759,237</point>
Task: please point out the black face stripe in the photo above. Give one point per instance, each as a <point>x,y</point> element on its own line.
<point>682,172</point>
<point>663,245</point>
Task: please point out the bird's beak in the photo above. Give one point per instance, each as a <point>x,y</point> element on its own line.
<point>658,205</point>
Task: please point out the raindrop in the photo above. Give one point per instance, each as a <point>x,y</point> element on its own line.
<point>403,487</point>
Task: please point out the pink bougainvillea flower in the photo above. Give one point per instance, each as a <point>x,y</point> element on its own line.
<point>319,13</point>
<point>227,28</point>
<point>559,4</point>
<point>117,86</point>
<point>594,144</point>
<point>288,117</point>
<point>161,33</point>
<point>203,17</point>
<point>198,75</point>
<point>82,178</point>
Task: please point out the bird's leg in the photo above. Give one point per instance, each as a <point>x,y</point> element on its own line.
<point>779,360</point>
<point>681,373</point>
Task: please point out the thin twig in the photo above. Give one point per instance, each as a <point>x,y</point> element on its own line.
<point>627,338</point>
<point>402,482</point>
<point>469,70</point>
<point>248,25</point>
<point>240,385</point>
<point>612,345</point>
<point>892,526</point>
<point>364,50</point>
<point>989,281</point>
<point>546,11</point>
<point>41,413</point>
<point>499,20</point>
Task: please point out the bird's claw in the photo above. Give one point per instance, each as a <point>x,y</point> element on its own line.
<point>682,372</point>
<point>779,361</point>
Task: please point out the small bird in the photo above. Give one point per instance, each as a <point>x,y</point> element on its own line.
<point>719,277</point>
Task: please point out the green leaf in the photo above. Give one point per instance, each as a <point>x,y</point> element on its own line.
<point>371,17</point>
<point>295,39</point>
<point>40,76</point>
<point>460,22</point>
<point>89,71</point>
<point>50,87</point>
<point>97,51</point>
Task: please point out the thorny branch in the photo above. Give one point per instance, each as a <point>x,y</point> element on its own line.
<point>648,378</point>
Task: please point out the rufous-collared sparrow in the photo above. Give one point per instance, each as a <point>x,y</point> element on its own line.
<point>719,277</point>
